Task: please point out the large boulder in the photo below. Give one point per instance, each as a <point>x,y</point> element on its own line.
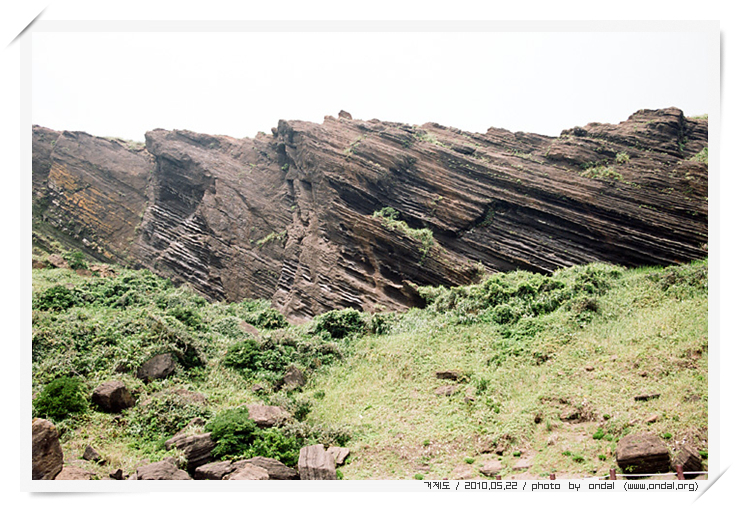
<point>196,448</point>
<point>47,458</point>
<point>266,416</point>
<point>162,470</point>
<point>276,469</point>
<point>293,379</point>
<point>315,463</point>
<point>491,467</point>
<point>214,470</point>
<point>158,367</point>
<point>92,455</point>
<point>643,453</point>
<point>249,472</point>
<point>112,396</point>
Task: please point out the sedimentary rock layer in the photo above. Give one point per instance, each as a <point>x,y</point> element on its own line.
<point>289,216</point>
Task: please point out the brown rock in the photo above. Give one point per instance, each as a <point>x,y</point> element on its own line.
<point>196,448</point>
<point>646,396</point>
<point>314,463</point>
<point>91,454</point>
<point>589,368</point>
<point>522,464</point>
<point>249,329</point>
<point>112,396</point>
<point>652,419</point>
<point>162,470</point>
<point>266,416</point>
<point>571,415</point>
<point>47,457</point>
<point>249,472</point>
<point>343,114</point>
<point>643,453</point>
<point>214,470</point>
<point>491,467</point>
<point>158,367</point>
<point>117,474</point>
<point>57,261</point>
<point>73,473</point>
<point>449,374</point>
<point>276,469</point>
<point>462,472</point>
<point>340,454</point>
<point>689,458</point>
<point>445,390</point>
<point>293,379</point>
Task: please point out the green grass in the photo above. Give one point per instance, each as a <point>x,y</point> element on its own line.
<point>522,342</point>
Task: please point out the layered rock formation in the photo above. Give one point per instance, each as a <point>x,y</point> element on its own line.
<point>289,216</point>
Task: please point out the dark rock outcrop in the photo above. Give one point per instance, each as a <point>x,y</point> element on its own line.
<point>266,416</point>
<point>158,367</point>
<point>289,216</point>
<point>162,470</point>
<point>196,448</point>
<point>276,469</point>
<point>112,396</point>
<point>643,454</point>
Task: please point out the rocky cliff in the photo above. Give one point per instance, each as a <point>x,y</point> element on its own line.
<point>289,216</point>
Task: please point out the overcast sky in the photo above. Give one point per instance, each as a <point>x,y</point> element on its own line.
<point>237,84</point>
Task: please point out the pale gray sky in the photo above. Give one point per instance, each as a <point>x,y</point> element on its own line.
<point>124,84</point>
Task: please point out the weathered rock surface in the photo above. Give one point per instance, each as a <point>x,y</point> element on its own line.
<point>162,470</point>
<point>276,469</point>
<point>643,454</point>
<point>340,454</point>
<point>288,216</point>
<point>293,379</point>
<point>158,367</point>
<point>690,459</point>
<point>214,470</point>
<point>266,416</point>
<point>315,463</point>
<point>112,396</point>
<point>73,473</point>
<point>47,456</point>
<point>249,472</point>
<point>491,467</point>
<point>196,448</point>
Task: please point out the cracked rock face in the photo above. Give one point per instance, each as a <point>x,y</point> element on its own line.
<point>289,216</point>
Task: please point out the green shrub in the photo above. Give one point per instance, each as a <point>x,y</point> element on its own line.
<point>163,416</point>
<point>273,443</point>
<point>76,260</point>
<point>59,399</point>
<point>270,319</point>
<point>243,355</point>
<point>233,432</point>
<point>340,323</point>
<point>56,298</point>
<point>599,434</point>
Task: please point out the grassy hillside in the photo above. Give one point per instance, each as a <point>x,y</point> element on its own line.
<point>549,369</point>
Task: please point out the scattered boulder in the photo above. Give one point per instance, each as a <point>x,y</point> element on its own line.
<point>646,396</point>
<point>158,367</point>
<point>276,469</point>
<point>112,396</point>
<point>343,114</point>
<point>73,473</point>
<point>249,472</point>
<point>293,379</point>
<point>449,374</point>
<point>491,467</point>
<point>47,458</point>
<point>340,454</point>
<point>652,419</point>
<point>192,397</point>
<point>571,415</point>
<point>55,260</point>
<point>117,474</point>
<point>162,470</point>
<point>38,264</point>
<point>690,459</point>
<point>196,448</point>
<point>214,470</point>
<point>589,368</point>
<point>522,464</point>
<point>462,472</point>
<point>643,453</point>
<point>92,455</point>
<point>314,463</point>
<point>266,416</point>
<point>445,390</point>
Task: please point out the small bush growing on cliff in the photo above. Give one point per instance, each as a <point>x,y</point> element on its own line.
<point>56,298</point>
<point>340,323</point>
<point>233,432</point>
<point>163,416</point>
<point>243,355</point>
<point>76,260</point>
<point>60,398</point>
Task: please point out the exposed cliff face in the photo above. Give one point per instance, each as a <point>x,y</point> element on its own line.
<point>289,216</point>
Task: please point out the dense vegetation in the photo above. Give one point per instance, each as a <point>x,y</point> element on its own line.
<point>529,347</point>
